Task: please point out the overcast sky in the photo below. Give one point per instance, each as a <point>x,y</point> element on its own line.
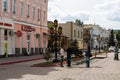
<point>105,13</point>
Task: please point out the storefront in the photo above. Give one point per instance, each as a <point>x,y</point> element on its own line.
<point>6,37</point>
<point>18,38</point>
<point>29,39</point>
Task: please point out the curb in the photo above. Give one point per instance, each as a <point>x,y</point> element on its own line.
<point>19,61</point>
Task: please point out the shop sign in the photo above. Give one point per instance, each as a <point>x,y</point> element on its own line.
<point>27,28</point>
<point>19,33</point>
<point>1,23</point>
<point>6,24</point>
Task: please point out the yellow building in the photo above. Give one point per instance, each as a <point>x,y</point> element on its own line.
<point>86,34</point>
<point>73,31</point>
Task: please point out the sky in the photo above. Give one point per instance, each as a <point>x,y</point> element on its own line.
<point>105,13</point>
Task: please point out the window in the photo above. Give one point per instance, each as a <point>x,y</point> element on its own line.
<point>14,6</point>
<point>21,9</point>
<point>78,34</point>
<point>44,17</point>
<point>74,33</point>
<point>5,5</point>
<point>38,14</point>
<point>5,34</point>
<point>28,11</point>
<point>33,12</point>
<point>81,34</point>
<point>45,1</point>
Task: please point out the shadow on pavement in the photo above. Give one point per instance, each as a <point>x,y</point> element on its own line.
<point>11,72</point>
<point>90,67</point>
<point>100,57</point>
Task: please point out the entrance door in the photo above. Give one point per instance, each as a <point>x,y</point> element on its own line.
<point>5,43</point>
<point>2,49</point>
<point>28,49</point>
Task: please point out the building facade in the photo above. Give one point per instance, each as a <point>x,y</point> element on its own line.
<point>95,36</point>
<point>22,26</point>
<point>73,31</point>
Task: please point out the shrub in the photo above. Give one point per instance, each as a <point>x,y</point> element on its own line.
<point>47,55</point>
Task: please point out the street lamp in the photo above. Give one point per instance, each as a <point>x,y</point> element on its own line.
<point>99,40</point>
<point>91,39</point>
<point>56,32</point>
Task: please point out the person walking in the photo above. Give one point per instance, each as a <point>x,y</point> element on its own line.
<point>88,55</point>
<point>116,54</point>
<point>68,56</point>
<point>62,54</point>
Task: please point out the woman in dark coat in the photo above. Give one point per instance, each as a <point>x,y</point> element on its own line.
<point>68,56</point>
<point>88,55</point>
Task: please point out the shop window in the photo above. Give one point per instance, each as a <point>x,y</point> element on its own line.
<point>28,37</point>
<point>5,34</point>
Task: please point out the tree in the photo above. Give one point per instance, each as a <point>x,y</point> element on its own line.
<point>75,49</point>
<point>118,37</point>
<point>50,24</point>
<point>111,39</point>
<point>47,55</point>
<point>79,22</point>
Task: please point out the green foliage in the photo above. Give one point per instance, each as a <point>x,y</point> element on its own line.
<point>111,39</point>
<point>118,37</point>
<point>50,24</point>
<point>79,22</point>
<point>75,49</point>
<point>47,55</point>
<point>106,49</point>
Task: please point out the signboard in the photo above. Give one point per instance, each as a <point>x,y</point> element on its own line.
<point>27,28</point>
<point>5,24</point>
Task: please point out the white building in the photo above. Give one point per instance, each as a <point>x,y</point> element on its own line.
<point>98,36</point>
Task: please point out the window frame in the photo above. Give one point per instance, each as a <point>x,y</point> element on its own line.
<point>28,11</point>
<point>21,8</point>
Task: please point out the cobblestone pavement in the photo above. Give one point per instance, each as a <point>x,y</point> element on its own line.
<point>101,68</point>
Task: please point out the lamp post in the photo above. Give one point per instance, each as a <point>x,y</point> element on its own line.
<point>106,49</point>
<point>99,40</point>
<point>91,39</point>
<point>56,32</point>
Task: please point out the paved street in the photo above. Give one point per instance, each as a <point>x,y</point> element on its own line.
<point>101,69</point>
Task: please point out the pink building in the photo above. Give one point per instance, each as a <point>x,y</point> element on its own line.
<point>22,26</point>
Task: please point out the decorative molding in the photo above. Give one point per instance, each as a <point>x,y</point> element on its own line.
<point>26,23</point>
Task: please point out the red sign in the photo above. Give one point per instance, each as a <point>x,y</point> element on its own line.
<point>7,24</point>
<point>19,33</point>
<point>1,23</point>
<point>27,28</point>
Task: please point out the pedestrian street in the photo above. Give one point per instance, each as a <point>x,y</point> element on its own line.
<point>101,68</point>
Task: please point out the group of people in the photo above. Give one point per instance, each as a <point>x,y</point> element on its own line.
<point>87,55</point>
<point>62,53</point>
<point>69,52</point>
